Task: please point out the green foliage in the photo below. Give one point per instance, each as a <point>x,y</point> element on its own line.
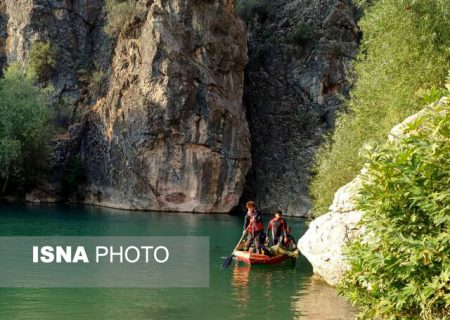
<point>400,267</point>
<point>301,35</point>
<point>118,14</point>
<point>24,129</point>
<point>363,4</point>
<point>74,176</point>
<point>405,51</point>
<point>42,60</point>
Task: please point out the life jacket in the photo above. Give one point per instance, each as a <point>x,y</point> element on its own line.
<point>257,225</point>
<point>278,227</point>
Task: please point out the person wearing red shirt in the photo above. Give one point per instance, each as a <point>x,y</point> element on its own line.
<point>253,221</point>
<point>277,228</point>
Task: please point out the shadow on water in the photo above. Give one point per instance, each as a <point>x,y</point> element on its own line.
<point>287,291</point>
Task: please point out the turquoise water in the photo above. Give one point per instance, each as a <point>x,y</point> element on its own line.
<point>240,292</point>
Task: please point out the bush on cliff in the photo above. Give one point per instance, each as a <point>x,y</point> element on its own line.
<point>42,60</point>
<point>404,53</point>
<point>118,14</point>
<point>24,129</point>
<point>400,268</point>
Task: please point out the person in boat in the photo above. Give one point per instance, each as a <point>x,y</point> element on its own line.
<point>277,228</point>
<point>288,246</point>
<point>289,241</point>
<point>253,221</point>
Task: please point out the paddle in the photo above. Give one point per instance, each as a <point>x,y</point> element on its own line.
<point>228,260</point>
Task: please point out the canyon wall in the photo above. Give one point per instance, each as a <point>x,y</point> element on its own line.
<point>155,112</point>
<point>167,131</point>
<point>171,133</point>
<point>300,54</point>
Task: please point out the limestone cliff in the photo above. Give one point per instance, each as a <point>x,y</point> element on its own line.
<point>168,130</point>
<point>300,54</point>
<point>171,133</point>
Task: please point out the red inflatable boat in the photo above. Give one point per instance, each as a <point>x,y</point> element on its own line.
<point>255,258</point>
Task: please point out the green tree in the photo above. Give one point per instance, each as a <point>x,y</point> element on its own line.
<point>24,129</point>
<point>404,53</point>
<point>42,60</point>
<point>400,267</point>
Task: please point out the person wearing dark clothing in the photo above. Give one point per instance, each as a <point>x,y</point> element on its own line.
<point>289,241</point>
<point>277,228</point>
<point>253,221</point>
<point>251,218</point>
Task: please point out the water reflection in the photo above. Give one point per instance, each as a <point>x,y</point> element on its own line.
<point>316,300</point>
<point>271,289</point>
<point>240,284</point>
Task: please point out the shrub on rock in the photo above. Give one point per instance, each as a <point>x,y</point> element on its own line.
<point>400,267</point>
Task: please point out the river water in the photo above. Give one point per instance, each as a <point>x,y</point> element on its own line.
<point>239,292</point>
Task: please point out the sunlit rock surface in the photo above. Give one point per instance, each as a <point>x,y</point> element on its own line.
<point>324,242</point>
<point>171,133</point>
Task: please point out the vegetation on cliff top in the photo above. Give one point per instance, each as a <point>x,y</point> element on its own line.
<point>24,129</point>
<point>400,267</point>
<point>403,59</point>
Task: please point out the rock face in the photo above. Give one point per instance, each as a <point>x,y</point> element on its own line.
<point>327,235</point>
<point>171,133</point>
<point>74,28</point>
<point>300,54</point>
